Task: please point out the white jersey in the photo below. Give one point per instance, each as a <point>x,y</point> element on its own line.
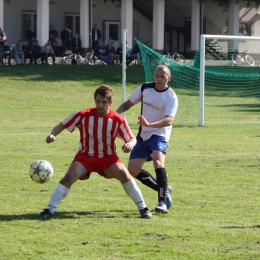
<point>156,105</point>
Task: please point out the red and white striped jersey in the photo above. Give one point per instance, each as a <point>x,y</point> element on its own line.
<point>98,133</point>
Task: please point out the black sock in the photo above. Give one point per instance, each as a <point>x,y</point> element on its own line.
<point>147,179</point>
<point>162,179</point>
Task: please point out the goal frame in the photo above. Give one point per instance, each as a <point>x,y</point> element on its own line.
<point>203,38</point>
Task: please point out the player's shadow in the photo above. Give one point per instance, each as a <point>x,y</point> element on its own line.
<point>74,215</point>
<point>241,227</point>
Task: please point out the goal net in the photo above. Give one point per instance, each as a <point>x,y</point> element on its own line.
<point>221,85</point>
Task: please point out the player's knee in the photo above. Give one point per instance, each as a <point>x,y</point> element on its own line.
<point>158,164</point>
<point>133,169</point>
<point>71,177</point>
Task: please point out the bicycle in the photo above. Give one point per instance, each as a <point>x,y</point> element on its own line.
<point>176,56</point>
<point>239,59</point>
<point>77,57</point>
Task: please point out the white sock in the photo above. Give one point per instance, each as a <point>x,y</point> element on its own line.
<point>133,191</point>
<point>57,196</point>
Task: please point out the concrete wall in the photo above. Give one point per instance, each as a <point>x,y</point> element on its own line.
<point>111,11</point>
<point>251,15</point>
<point>100,11</point>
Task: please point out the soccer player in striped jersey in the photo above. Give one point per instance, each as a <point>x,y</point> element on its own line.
<point>159,105</point>
<point>98,128</point>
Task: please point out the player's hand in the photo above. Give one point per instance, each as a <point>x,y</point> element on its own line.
<point>127,147</point>
<point>143,121</point>
<point>50,139</point>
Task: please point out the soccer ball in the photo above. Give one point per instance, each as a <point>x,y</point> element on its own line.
<point>41,171</point>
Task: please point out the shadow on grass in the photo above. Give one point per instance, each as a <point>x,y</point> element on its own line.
<point>74,215</point>
<point>243,107</point>
<point>74,73</point>
<point>241,227</point>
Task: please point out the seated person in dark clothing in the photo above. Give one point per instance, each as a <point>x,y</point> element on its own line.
<point>53,44</point>
<point>119,51</point>
<point>6,51</point>
<point>136,54</point>
<point>112,52</point>
<point>101,53</point>
<point>27,51</point>
<point>2,53</point>
<point>76,44</point>
<point>37,52</point>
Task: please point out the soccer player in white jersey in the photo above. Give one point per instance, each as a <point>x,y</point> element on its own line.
<point>159,105</point>
<point>98,128</point>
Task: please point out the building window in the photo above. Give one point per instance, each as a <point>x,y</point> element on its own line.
<point>244,29</point>
<point>73,20</point>
<point>29,18</point>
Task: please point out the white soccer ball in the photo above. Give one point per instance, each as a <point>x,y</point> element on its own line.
<point>41,171</point>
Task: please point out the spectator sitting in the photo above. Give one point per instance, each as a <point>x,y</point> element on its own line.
<point>6,50</point>
<point>76,44</point>
<point>37,52</point>
<point>53,44</point>
<point>17,53</point>
<point>47,52</point>
<point>59,44</point>
<point>2,54</point>
<point>119,52</point>
<point>29,35</point>
<point>3,38</point>
<point>129,59</point>
<point>112,52</point>
<point>101,53</point>
<point>136,54</point>
<point>27,52</point>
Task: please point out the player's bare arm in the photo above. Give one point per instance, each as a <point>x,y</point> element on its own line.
<point>124,106</point>
<point>166,121</point>
<point>55,131</point>
<point>128,147</point>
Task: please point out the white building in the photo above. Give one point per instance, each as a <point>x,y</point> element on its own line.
<point>167,24</point>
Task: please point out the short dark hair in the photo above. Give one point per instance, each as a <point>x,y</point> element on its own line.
<point>105,91</point>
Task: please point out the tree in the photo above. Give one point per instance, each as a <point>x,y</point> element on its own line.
<point>227,2</point>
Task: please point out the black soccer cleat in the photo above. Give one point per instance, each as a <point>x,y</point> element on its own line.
<point>145,213</point>
<point>45,214</point>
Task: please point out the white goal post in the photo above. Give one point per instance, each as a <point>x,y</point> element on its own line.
<point>234,48</point>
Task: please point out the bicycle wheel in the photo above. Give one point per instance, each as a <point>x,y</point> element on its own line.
<point>236,59</point>
<point>250,60</point>
<point>179,58</point>
<point>67,60</point>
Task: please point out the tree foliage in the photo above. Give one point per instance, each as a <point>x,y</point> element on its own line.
<point>226,3</point>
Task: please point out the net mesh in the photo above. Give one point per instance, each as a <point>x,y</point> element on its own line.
<point>232,82</point>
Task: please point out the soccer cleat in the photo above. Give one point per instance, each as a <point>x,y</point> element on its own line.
<point>161,208</point>
<point>168,197</point>
<point>145,213</point>
<point>45,214</point>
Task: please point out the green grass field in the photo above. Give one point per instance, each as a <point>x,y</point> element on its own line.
<point>214,172</point>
